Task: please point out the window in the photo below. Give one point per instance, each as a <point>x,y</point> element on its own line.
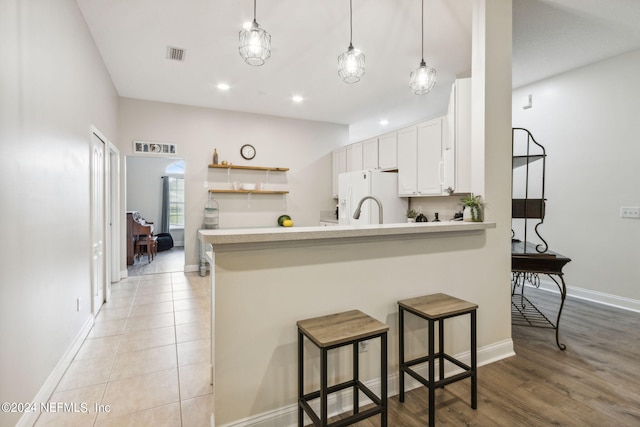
<point>176,201</point>
<point>175,171</point>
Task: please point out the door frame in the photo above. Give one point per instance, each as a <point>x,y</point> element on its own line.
<point>112,170</point>
<point>111,217</point>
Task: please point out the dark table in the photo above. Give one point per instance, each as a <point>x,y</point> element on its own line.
<point>527,264</point>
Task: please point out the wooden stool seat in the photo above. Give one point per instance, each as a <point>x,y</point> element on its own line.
<point>436,308</point>
<point>333,331</point>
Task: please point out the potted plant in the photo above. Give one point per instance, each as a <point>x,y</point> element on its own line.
<point>411,215</point>
<point>472,208</point>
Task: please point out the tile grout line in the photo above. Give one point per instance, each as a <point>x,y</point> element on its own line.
<point>175,333</point>
<point>104,392</point>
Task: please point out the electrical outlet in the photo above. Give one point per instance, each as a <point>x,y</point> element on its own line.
<point>206,184</point>
<point>629,212</point>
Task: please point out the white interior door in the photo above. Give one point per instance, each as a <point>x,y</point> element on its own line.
<point>97,222</point>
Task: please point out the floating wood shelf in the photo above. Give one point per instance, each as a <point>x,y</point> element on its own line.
<point>252,168</point>
<point>249,191</point>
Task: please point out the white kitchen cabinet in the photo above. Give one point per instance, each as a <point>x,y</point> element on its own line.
<point>388,151</point>
<point>407,164</point>
<point>420,159</point>
<point>354,157</point>
<point>457,142</point>
<point>370,154</point>
<point>339,157</point>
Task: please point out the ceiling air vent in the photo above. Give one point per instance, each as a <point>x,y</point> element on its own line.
<point>175,53</point>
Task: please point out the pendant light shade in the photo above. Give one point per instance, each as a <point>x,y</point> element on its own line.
<point>351,65</point>
<point>255,43</point>
<point>423,78</point>
<point>351,62</point>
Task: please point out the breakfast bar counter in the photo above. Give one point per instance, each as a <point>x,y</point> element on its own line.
<point>239,238</point>
<point>263,280</point>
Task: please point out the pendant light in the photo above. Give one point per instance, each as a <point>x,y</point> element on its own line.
<point>351,62</point>
<point>423,78</point>
<point>255,43</point>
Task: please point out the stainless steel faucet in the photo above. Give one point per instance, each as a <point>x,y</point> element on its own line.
<point>356,214</point>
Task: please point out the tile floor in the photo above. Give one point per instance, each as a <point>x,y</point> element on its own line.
<point>164,262</point>
<point>147,357</point>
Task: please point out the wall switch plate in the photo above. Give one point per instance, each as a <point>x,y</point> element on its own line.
<point>629,212</point>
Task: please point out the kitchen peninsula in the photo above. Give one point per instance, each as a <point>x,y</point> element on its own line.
<point>265,279</point>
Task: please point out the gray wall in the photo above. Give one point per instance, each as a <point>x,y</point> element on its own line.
<point>54,87</point>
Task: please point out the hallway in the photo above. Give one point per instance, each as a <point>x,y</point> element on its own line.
<point>147,358</point>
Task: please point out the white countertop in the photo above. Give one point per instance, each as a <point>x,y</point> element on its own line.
<point>236,238</point>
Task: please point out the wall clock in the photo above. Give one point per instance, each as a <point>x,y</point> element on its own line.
<point>247,151</point>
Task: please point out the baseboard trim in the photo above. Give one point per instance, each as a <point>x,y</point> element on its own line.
<point>287,416</point>
<point>593,296</point>
<point>28,419</point>
<point>191,267</point>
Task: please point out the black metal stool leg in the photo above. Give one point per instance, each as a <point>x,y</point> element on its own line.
<point>356,378</point>
<point>300,378</point>
<point>432,390</point>
<point>441,349</point>
<point>323,387</point>
<point>474,362</point>
<point>401,357</point>
<point>384,380</point>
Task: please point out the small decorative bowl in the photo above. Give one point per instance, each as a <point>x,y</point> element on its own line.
<point>248,186</point>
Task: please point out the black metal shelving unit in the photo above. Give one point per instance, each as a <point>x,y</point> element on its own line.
<point>528,208</point>
<point>529,260</point>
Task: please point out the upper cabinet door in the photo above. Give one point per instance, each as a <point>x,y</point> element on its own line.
<point>407,163</point>
<point>354,157</point>
<point>457,141</point>
<point>370,154</point>
<point>388,151</point>
<point>429,157</point>
<point>339,166</point>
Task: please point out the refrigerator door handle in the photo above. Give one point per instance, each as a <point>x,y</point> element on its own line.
<point>349,205</point>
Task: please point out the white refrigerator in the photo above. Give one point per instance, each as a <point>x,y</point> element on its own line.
<point>353,186</point>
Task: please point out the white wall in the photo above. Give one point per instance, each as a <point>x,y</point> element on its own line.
<point>54,86</point>
<point>303,146</point>
<point>144,190</point>
<point>587,121</point>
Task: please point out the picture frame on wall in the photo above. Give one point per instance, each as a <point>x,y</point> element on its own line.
<point>154,148</point>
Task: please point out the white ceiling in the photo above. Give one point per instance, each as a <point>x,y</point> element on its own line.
<point>550,36</point>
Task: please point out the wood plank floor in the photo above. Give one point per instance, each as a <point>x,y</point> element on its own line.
<point>594,382</point>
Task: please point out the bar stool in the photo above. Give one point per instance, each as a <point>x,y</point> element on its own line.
<point>437,308</point>
<point>330,332</point>
<point>151,245</point>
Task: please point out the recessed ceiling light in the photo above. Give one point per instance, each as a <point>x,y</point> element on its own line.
<point>223,86</point>
<point>297,98</point>
<point>384,122</point>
